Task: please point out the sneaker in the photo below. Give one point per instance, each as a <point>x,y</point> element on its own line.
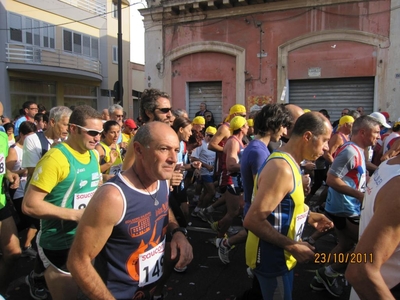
<point>223,252</point>
<point>334,284</point>
<point>37,286</point>
<point>316,284</point>
<point>232,231</point>
<point>250,273</point>
<point>205,216</point>
<point>29,252</point>
<point>214,226</point>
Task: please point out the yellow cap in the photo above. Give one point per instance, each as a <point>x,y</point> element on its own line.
<point>306,110</point>
<point>199,120</point>
<point>237,108</point>
<point>250,122</point>
<point>211,130</point>
<point>236,123</point>
<point>346,119</point>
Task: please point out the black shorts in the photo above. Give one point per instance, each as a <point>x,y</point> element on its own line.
<point>57,258</point>
<point>5,212</point>
<point>340,222</point>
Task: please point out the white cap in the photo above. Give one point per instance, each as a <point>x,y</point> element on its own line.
<point>381,119</point>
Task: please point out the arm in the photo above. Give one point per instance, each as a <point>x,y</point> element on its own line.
<point>179,244</point>
<point>370,166</point>
<point>378,240</point>
<point>222,133</point>
<point>276,173</point>
<point>129,157</point>
<point>231,150</point>
<point>341,187</point>
<point>11,160</point>
<point>393,151</point>
<point>334,143</point>
<point>34,205</point>
<point>102,213</point>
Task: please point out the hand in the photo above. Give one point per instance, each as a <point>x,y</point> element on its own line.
<point>210,168</point>
<point>113,156</point>
<point>176,178</point>
<point>181,246</point>
<point>320,222</point>
<point>308,166</point>
<point>306,184</point>
<point>302,251</point>
<point>196,164</point>
<point>13,179</point>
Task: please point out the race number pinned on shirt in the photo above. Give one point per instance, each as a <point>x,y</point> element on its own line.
<point>151,264</point>
<point>2,164</point>
<point>299,225</point>
<point>81,200</point>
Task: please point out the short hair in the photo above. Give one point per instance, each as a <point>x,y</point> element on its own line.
<point>179,112</point>
<point>107,125</point>
<point>180,122</point>
<point>26,104</point>
<point>27,127</point>
<point>8,126</point>
<point>41,108</point>
<point>313,122</point>
<point>144,135</point>
<point>41,117</point>
<point>58,112</point>
<point>83,112</point>
<point>271,117</point>
<point>354,113</point>
<point>114,107</point>
<point>364,122</point>
<point>148,101</point>
<point>205,104</point>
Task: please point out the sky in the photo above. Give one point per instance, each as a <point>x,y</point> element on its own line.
<point>137,31</point>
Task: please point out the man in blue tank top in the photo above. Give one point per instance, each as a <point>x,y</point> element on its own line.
<point>277,215</point>
<point>125,226</point>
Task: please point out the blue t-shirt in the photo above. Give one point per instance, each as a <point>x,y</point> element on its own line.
<point>253,157</point>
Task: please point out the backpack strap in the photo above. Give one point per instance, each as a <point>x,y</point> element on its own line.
<point>43,142</point>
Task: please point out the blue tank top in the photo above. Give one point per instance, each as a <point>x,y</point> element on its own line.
<point>131,260</point>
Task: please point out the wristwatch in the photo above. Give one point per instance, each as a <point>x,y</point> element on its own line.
<point>180,229</point>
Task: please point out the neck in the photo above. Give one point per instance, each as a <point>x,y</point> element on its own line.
<point>74,145</point>
<point>292,148</point>
<point>49,133</point>
<point>265,139</point>
<point>144,181</point>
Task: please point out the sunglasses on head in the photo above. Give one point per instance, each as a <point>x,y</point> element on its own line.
<point>210,135</point>
<point>165,110</point>
<point>91,132</point>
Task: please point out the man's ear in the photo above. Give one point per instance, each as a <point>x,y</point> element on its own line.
<point>307,135</point>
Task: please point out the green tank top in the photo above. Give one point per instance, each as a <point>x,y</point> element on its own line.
<point>3,156</point>
<point>74,192</point>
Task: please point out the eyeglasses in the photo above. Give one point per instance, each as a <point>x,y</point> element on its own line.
<point>165,110</point>
<point>91,132</point>
<point>119,116</point>
<point>210,135</point>
<point>33,108</point>
<point>208,116</point>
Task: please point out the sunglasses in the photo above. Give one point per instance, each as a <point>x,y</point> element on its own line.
<point>210,135</point>
<point>119,116</point>
<point>165,110</point>
<point>91,132</point>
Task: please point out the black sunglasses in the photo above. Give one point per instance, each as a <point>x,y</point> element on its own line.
<point>165,110</point>
<point>210,135</point>
<point>91,132</point>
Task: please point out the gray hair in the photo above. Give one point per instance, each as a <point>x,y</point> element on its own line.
<point>364,122</point>
<point>58,112</point>
<point>179,112</point>
<point>114,107</point>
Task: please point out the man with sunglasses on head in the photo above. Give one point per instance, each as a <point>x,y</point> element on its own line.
<point>62,184</point>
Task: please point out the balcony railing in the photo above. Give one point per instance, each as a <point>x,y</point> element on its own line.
<point>92,6</point>
<point>45,57</point>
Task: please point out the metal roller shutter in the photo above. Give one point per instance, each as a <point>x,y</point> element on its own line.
<point>209,93</point>
<point>333,94</point>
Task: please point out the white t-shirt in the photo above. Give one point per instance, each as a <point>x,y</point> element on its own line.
<point>33,151</point>
<point>207,156</point>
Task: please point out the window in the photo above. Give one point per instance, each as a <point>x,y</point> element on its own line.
<point>95,47</point>
<point>15,28</point>
<point>115,54</point>
<point>77,43</point>
<point>31,32</point>
<point>86,45</point>
<point>67,40</point>
<point>115,11</point>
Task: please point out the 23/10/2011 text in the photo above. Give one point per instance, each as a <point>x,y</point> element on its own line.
<point>343,258</point>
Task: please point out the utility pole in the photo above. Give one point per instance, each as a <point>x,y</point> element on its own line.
<point>120,94</point>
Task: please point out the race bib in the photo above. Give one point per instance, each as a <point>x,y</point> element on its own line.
<point>299,226</point>
<point>2,164</point>
<point>151,264</point>
<point>82,200</point>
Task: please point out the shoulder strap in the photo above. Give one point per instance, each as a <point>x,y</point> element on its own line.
<point>43,142</point>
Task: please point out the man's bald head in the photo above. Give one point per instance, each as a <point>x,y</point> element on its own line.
<point>295,112</point>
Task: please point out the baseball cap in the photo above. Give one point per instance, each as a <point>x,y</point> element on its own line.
<point>130,123</point>
<point>346,119</point>
<point>381,119</point>
<point>199,120</point>
<point>306,110</point>
<point>236,123</point>
<point>250,122</point>
<point>237,108</point>
<point>211,130</point>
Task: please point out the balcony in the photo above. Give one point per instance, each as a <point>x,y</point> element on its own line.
<point>92,6</point>
<point>23,54</point>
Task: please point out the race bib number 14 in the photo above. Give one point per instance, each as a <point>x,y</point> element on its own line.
<point>151,264</point>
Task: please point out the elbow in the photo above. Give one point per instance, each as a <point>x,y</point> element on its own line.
<point>353,274</point>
